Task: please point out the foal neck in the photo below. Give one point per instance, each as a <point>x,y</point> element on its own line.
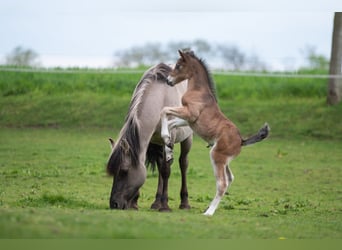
<point>201,77</point>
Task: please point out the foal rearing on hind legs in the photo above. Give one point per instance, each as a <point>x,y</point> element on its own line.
<point>201,112</point>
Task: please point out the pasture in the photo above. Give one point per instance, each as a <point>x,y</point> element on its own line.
<point>54,147</point>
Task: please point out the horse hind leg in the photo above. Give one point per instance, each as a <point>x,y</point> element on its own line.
<point>183,164</point>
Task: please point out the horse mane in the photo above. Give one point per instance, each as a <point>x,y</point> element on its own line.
<point>207,71</point>
<point>128,142</point>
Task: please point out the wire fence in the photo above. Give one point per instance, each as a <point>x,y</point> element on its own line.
<point>133,71</point>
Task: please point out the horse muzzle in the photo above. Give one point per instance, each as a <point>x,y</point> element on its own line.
<point>117,205</point>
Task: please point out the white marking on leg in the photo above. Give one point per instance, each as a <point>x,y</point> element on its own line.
<point>221,187</point>
<point>165,133</point>
<point>213,205</point>
<point>176,123</point>
<point>168,153</point>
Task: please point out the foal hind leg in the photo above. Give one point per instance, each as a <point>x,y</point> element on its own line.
<point>183,164</point>
<point>230,175</point>
<point>223,179</point>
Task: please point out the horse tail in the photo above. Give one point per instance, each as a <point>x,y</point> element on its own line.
<point>262,134</point>
<point>154,154</point>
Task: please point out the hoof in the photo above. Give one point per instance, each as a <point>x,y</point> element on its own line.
<point>165,209</point>
<point>184,206</point>
<point>168,152</point>
<point>169,158</point>
<point>156,206</point>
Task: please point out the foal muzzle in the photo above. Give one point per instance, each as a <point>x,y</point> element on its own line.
<point>169,81</point>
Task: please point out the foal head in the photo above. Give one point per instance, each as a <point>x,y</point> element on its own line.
<point>183,69</point>
<point>190,66</point>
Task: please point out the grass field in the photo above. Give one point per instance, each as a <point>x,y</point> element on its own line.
<point>54,148</point>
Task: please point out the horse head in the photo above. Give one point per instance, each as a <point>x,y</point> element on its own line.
<point>128,174</point>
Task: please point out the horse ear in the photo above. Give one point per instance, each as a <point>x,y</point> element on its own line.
<point>124,145</point>
<point>112,142</point>
<point>181,54</point>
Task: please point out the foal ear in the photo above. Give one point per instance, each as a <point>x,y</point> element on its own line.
<point>181,54</point>
<point>112,142</point>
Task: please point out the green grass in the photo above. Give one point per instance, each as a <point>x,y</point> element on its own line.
<point>292,106</point>
<point>288,117</point>
<point>54,147</point>
<point>53,184</point>
<point>122,84</point>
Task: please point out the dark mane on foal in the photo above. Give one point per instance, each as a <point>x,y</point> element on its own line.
<point>128,143</point>
<point>207,71</point>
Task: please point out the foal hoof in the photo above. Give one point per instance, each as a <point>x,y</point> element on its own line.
<point>168,153</point>
<point>168,158</point>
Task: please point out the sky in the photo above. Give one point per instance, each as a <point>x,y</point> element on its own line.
<point>87,33</point>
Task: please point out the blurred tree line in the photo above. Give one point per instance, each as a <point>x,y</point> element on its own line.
<point>230,57</point>
<point>151,53</point>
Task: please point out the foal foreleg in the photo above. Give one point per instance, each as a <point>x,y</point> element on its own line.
<point>167,125</point>
<point>176,123</point>
<point>165,134</point>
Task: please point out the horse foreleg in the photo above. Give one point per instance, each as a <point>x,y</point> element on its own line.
<point>183,164</point>
<point>165,173</point>
<point>157,202</point>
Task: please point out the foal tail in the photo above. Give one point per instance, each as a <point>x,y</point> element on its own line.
<point>262,134</point>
